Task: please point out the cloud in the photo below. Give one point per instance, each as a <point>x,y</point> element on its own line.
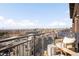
<point>65,23</point>
<point>16,24</point>
<point>1,17</point>
<point>6,23</point>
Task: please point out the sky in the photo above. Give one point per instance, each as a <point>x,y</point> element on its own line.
<point>34,15</point>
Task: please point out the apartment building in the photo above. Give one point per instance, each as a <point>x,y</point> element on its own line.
<point>74,15</point>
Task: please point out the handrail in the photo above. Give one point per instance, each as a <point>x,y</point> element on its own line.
<point>13,45</point>
<point>16,37</point>
<point>9,39</point>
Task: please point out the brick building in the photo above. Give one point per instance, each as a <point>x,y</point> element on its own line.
<point>74,15</point>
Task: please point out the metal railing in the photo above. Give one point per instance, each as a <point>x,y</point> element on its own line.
<point>9,48</point>
<point>18,45</point>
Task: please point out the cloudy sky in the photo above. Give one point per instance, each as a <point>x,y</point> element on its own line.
<point>21,16</point>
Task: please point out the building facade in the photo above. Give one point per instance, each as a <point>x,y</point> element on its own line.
<point>74,15</point>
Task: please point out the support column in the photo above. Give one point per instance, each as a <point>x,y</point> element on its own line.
<point>77,33</point>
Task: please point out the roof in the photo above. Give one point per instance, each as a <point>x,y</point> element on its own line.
<point>71,8</point>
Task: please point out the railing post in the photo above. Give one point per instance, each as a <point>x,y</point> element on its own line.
<point>27,48</point>
<point>23,48</point>
<point>17,51</point>
<point>42,45</point>
<point>34,46</point>
<point>9,52</point>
